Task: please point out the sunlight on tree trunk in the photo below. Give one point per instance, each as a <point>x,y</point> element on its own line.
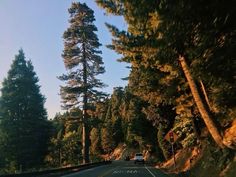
<point>205,94</point>
<point>204,113</point>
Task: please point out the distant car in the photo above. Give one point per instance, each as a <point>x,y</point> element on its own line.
<point>138,158</point>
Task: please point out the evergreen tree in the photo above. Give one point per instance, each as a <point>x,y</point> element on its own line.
<point>116,118</point>
<point>199,34</point>
<point>82,59</point>
<point>140,130</point>
<point>95,137</point>
<point>24,127</point>
<point>107,139</point>
<point>65,147</point>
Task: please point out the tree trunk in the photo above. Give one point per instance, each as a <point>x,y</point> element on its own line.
<point>203,111</point>
<point>205,94</point>
<point>85,143</point>
<point>85,115</point>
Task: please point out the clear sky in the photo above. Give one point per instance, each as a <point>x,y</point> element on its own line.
<point>37,27</point>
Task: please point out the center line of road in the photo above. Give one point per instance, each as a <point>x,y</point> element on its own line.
<point>150,171</point>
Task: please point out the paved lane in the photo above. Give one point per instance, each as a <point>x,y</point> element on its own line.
<point>120,169</point>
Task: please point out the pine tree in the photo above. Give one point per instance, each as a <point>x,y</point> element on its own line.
<point>116,118</point>
<point>181,34</point>
<point>107,139</point>
<point>65,147</point>
<point>95,137</point>
<point>83,62</point>
<point>24,126</point>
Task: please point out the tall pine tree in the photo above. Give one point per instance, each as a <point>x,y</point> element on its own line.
<point>83,63</point>
<point>24,127</point>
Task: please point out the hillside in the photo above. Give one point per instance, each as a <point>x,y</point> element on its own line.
<point>208,161</point>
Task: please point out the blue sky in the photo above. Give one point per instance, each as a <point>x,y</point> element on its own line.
<point>37,26</point>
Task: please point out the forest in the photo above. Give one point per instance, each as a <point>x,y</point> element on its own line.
<point>182,79</point>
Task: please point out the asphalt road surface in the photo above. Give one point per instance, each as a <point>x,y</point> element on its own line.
<point>120,169</point>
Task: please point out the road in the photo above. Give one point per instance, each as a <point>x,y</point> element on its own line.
<point>120,169</point>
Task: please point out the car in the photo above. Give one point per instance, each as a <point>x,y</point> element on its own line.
<point>138,158</point>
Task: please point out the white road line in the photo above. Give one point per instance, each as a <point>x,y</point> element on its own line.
<point>150,171</point>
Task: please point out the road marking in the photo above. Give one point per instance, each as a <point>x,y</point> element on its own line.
<point>150,171</point>
<point>107,172</point>
<point>114,172</point>
<point>131,171</point>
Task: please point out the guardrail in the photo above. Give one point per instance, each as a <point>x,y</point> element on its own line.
<point>58,171</point>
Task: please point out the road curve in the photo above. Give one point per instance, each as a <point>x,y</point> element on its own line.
<point>120,169</point>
